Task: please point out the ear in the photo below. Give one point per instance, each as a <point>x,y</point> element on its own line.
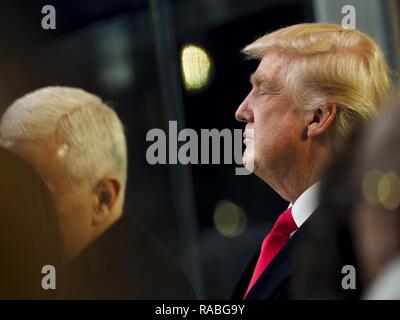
<point>106,194</point>
<point>320,120</point>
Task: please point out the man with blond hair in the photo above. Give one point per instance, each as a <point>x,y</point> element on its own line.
<point>77,145</point>
<point>315,82</point>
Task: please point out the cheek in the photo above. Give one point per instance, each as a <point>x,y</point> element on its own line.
<point>265,128</point>
<point>276,133</point>
<point>72,209</point>
<point>277,128</point>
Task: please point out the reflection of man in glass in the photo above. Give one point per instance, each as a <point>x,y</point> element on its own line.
<point>77,144</point>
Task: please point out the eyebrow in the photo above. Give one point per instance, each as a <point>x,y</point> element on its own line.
<point>264,83</point>
<point>256,79</point>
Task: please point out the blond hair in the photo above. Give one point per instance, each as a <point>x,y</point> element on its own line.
<point>91,136</point>
<point>330,65</point>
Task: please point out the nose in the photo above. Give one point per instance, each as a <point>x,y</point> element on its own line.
<point>243,113</point>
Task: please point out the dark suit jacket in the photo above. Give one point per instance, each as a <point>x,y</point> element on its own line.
<point>126,263</point>
<point>274,283</point>
<point>308,266</point>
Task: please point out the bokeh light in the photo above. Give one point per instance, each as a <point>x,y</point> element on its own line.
<point>230,220</point>
<point>382,189</point>
<point>389,191</point>
<point>370,187</point>
<point>196,67</point>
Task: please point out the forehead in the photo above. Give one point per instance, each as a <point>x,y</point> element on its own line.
<point>270,69</point>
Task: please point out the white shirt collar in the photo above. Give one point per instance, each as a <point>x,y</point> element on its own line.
<point>305,205</point>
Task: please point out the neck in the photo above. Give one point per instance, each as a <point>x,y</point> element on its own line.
<point>302,174</point>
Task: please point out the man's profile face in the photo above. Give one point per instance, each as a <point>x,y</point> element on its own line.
<point>274,126</point>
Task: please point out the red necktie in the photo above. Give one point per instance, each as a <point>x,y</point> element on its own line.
<point>272,243</point>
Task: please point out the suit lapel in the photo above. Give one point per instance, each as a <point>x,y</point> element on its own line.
<point>281,268</point>
<point>278,271</point>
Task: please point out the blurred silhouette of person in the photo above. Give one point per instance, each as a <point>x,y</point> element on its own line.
<point>77,144</point>
<point>313,84</point>
<point>29,235</point>
<point>328,240</point>
<point>359,224</point>
<point>376,218</point>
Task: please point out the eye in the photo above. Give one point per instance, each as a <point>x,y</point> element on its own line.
<point>264,93</point>
<point>270,89</point>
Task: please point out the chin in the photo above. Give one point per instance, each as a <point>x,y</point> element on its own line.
<point>248,161</point>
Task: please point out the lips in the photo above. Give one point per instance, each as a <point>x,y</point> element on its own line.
<point>247,135</point>
<point>247,140</point>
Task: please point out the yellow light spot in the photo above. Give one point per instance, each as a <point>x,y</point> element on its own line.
<point>195,66</point>
<point>370,187</point>
<point>230,220</point>
<point>389,191</point>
